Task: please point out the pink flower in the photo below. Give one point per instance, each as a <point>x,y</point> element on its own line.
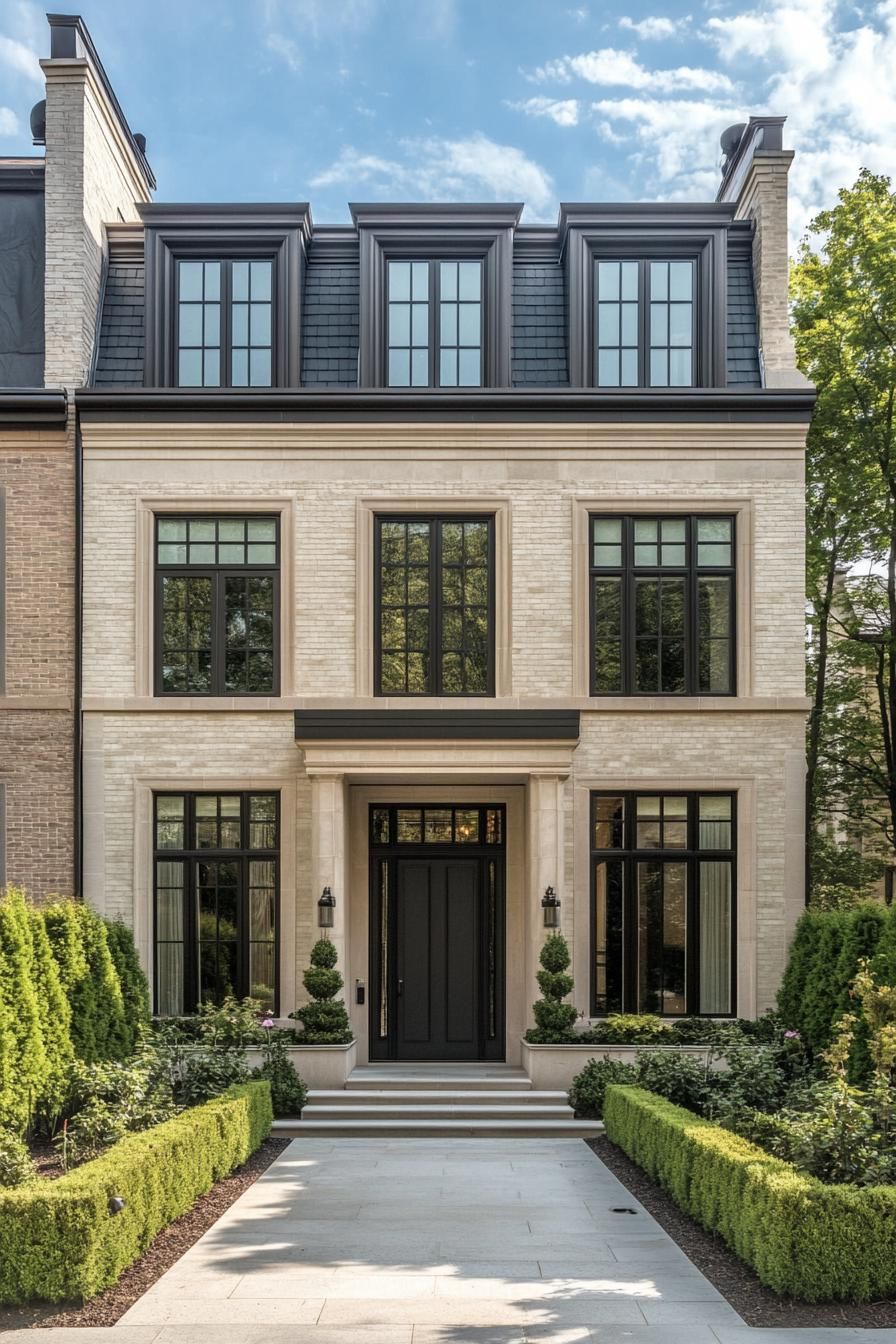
<point>791,1036</point>
<point>268,1023</point>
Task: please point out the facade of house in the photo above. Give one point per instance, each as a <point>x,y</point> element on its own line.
<point>442,578</point>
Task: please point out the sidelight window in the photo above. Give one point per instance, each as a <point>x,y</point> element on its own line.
<point>217,605</point>
<point>662,605</point>
<point>216,898</point>
<point>434,606</point>
<point>663,907</point>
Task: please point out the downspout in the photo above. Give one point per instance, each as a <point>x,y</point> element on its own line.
<point>78,789</point>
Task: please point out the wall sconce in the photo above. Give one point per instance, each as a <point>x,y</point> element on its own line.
<point>325,907</point>
<point>550,904</point>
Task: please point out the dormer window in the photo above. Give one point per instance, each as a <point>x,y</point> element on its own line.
<point>224,289</point>
<point>225,323</point>
<point>436,286</point>
<point>644,316</point>
<point>434,320</point>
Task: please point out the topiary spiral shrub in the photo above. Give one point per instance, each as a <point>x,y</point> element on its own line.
<point>554,1018</point>
<point>324,1021</point>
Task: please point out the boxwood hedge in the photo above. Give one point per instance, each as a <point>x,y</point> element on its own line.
<point>812,1241</point>
<point>59,1240</point>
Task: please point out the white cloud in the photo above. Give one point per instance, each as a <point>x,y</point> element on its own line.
<point>656,27</point>
<point>19,57</point>
<point>437,169</point>
<point>318,18</point>
<point>563,111</point>
<point>9,122</point>
<point>285,48</point>
<point>612,67</point>
<point>677,140</point>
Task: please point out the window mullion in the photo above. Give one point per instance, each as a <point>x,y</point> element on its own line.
<point>434,319</point>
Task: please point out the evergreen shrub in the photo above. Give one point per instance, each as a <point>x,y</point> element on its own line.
<point>554,1019</point>
<point>325,1021</point>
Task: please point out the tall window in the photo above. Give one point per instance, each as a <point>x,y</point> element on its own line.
<point>216,885</point>
<point>644,323</point>
<point>434,324</point>
<point>225,323</point>
<point>217,605</point>
<point>434,605</point>
<point>663,908</point>
<point>662,605</point>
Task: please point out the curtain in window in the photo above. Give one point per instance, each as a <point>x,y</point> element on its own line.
<point>715,934</point>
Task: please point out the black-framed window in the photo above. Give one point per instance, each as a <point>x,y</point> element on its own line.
<point>216,906</point>
<point>645,331</point>
<point>217,604</point>
<point>663,598</point>
<point>434,323</point>
<point>663,907</point>
<point>225,322</point>
<point>434,605</point>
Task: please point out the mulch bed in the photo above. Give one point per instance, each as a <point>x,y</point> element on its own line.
<point>167,1247</point>
<point>758,1305</point>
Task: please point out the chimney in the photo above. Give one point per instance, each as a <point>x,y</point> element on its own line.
<point>96,173</point>
<point>754,178</point>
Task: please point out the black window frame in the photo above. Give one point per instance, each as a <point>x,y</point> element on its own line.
<point>434,303</point>
<point>691,856</point>
<point>189,857</point>
<point>644,301</point>
<point>668,232</point>
<point>691,571</point>
<point>435,520</point>
<point>226,301</point>
<point>218,573</point>
<point>280,233</point>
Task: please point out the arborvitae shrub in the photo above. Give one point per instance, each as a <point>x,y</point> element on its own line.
<point>24,1068</point>
<point>325,1021</point>
<point>134,985</point>
<point>883,964</point>
<point>64,932</point>
<point>81,948</point>
<point>821,990</point>
<point>55,1015</point>
<point>553,1017</point>
<point>802,950</point>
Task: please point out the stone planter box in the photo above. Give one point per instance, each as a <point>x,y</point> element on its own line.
<point>553,1067</point>
<point>319,1066</point>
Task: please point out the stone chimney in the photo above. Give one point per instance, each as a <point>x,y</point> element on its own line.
<point>754,177</point>
<point>96,173</point>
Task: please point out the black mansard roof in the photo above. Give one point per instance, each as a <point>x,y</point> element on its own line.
<point>331,304</point>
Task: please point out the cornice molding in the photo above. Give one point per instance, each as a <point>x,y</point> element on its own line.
<point>33,408</point>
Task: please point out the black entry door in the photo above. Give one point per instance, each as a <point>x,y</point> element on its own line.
<point>438,940</point>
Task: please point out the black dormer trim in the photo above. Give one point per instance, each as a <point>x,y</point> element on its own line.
<point>176,231</point>
<point>388,230</point>
<point>696,231</point>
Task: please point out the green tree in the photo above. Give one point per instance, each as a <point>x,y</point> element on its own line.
<point>844,312</point>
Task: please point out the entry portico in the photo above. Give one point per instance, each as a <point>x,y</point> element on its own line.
<point>512,764</point>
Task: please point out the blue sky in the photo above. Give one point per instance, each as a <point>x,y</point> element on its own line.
<point>539,100</point>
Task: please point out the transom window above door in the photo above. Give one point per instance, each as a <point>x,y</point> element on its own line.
<point>662,605</point>
<point>434,605</point>
<point>434,323</point>
<point>217,605</point>
<point>663,903</point>
<point>644,323</point>
<point>225,322</point>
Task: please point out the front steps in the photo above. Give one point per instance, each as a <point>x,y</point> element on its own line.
<point>437,1101</point>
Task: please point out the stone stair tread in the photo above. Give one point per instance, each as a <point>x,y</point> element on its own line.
<point>396,1096</point>
<point>532,1128</point>
<point>449,1110</point>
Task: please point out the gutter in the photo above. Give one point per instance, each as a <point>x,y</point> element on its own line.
<point>33,407</point>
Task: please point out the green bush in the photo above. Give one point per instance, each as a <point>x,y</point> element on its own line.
<point>16,1166</point>
<point>288,1093</point>
<point>24,1066</point>
<point>821,991</point>
<point>586,1095</point>
<point>55,1017</point>
<point>815,1242</point>
<point>325,1021</point>
<point>81,948</point>
<point>58,1240</point>
<point>554,1019</point>
<point>883,963</point>
<point>133,982</point>
<point>799,961</point>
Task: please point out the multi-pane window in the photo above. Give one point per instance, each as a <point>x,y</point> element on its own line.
<point>434,606</point>
<point>434,324</point>
<point>217,600</point>
<point>644,323</point>
<point>216,884</point>
<point>662,605</point>
<point>663,908</point>
<point>225,323</point>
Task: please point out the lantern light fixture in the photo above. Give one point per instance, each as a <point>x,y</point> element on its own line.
<point>550,904</point>
<point>325,908</point>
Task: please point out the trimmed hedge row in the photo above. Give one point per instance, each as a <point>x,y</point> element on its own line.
<point>812,1241</point>
<point>58,1240</point>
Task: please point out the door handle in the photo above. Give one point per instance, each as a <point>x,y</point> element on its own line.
<point>400,987</point>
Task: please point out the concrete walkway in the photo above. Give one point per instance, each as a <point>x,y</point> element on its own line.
<point>419,1241</point>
